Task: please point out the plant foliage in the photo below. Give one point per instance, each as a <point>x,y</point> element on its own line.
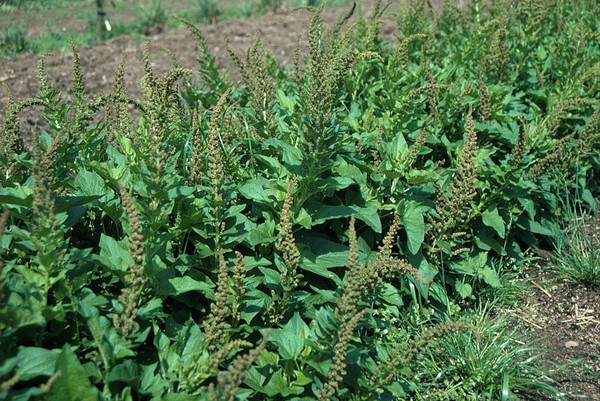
<point>258,241</point>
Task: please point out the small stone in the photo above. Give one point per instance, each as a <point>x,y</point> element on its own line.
<point>571,344</point>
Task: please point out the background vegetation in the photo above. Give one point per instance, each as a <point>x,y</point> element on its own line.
<point>124,17</point>
<point>337,230</point>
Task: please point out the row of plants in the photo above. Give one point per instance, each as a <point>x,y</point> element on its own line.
<point>322,231</point>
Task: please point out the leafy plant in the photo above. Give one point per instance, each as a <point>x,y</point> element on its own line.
<point>488,362</point>
<point>577,247</point>
<point>311,234</point>
<point>154,15</point>
<point>13,42</point>
<point>208,10</point>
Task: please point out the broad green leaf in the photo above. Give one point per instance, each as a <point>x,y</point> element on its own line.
<point>290,155</point>
<point>486,241</point>
<point>391,295</point>
<point>33,362</point>
<point>272,163</point>
<point>286,102</point>
<point>290,339</point>
<point>490,277</point>
<point>256,191</point>
<point>73,384</point>
<point>254,379</point>
<point>368,215</point>
<point>330,212</point>
<point>90,183</point>
<point>151,309</point>
<point>463,289</point>
<point>254,302</point>
<point>113,254</point>
<point>19,196</point>
<point>64,203</point>
<point>415,227</point>
<point>179,285</point>
<point>492,218</point>
<point>304,219</point>
<point>263,233</point>
<point>126,372</point>
<point>278,385</point>
<point>345,169</point>
<point>301,378</point>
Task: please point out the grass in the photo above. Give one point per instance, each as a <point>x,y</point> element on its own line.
<point>13,42</point>
<point>492,361</point>
<point>577,248</point>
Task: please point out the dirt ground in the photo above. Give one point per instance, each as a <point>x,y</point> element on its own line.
<point>565,318</point>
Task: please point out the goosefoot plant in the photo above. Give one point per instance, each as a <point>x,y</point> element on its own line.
<point>308,236</point>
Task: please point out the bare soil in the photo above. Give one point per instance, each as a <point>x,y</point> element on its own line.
<point>565,318</point>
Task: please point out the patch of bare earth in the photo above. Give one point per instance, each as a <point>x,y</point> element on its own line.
<point>564,319</point>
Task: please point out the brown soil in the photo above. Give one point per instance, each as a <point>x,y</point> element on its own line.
<point>565,320</point>
<point>564,317</point>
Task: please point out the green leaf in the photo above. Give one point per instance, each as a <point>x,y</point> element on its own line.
<point>490,276</point>
<point>368,215</point>
<point>19,196</point>
<point>290,155</point>
<point>485,240</point>
<point>492,219</point>
<point>254,379</point>
<point>272,163</point>
<point>278,385</point>
<point>126,372</point>
<point>33,362</point>
<point>180,285</point>
<point>415,227</point>
<point>290,339</point>
<point>287,103</point>
<point>73,384</point>
<point>90,183</point>
<point>113,254</point>
<point>255,191</point>
<point>464,289</point>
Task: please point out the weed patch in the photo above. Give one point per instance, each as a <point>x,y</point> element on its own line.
<point>310,234</point>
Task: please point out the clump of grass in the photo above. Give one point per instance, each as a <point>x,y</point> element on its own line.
<point>154,15</point>
<point>13,42</point>
<point>577,248</point>
<point>208,10</point>
<point>490,361</point>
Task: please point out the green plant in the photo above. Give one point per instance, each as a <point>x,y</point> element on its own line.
<point>13,42</point>
<point>312,234</point>
<point>208,10</point>
<point>490,361</point>
<point>154,15</point>
<point>271,5</point>
<point>577,247</point>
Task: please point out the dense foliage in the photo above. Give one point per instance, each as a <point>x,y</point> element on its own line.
<point>308,235</point>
